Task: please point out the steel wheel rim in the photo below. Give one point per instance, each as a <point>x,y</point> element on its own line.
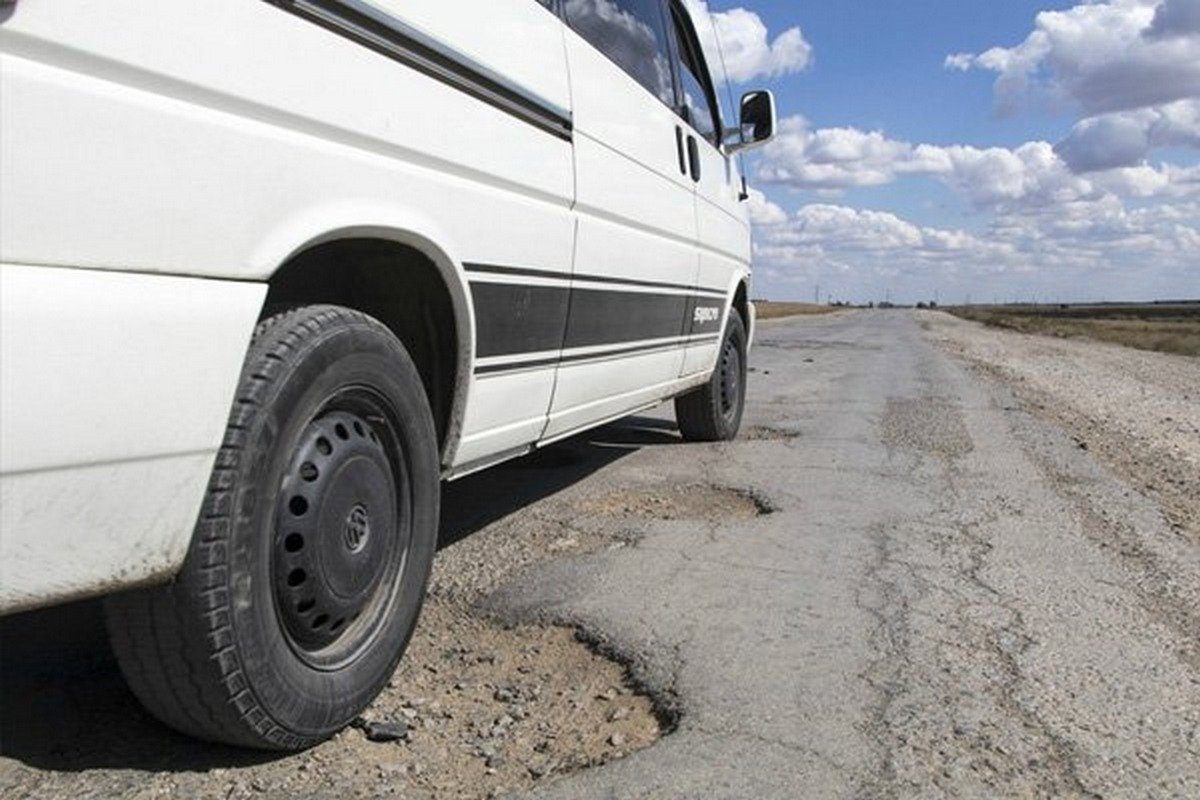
<point>730,384</point>
<point>342,529</point>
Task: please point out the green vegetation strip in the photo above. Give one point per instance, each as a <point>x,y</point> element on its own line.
<point>772,310</point>
<point>1162,328</point>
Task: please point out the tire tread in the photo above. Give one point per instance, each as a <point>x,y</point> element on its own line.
<point>175,643</point>
<point>698,412</point>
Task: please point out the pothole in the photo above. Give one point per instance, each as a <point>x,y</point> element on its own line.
<point>477,709</point>
<point>766,433</point>
<point>678,502</point>
<point>491,708</point>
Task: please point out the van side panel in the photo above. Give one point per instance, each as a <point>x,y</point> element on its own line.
<point>115,390</point>
<point>724,245</point>
<point>723,226</point>
<point>233,119</point>
<point>216,139</point>
<point>637,233</point>
<point>238,127</point>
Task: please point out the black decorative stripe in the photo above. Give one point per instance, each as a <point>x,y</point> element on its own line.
<point>511,319</point>
<point>600,317</point>
<point>493,269</point>
<point>517,366</point>
<point>369,26</point>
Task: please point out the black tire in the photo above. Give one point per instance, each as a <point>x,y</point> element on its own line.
<point>713,413</point>
<point>308,565</point>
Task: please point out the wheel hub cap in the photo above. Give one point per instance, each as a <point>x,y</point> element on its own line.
<point>332,549</point>
<point>358,529</point>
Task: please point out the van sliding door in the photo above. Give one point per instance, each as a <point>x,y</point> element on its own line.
<point>721,233</point>
<point>635,254</point>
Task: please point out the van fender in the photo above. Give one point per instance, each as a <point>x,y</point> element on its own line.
<point>405,226</point>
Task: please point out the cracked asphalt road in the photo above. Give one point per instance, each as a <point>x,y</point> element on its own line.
<point>898,583</point>
<point>939,605</point>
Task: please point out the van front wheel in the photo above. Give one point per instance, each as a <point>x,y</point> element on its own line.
<point>713,413</point>
<point>308,565</point>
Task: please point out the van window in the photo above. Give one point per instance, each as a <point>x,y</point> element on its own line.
<point>699,98</point>
<point>633,34</point>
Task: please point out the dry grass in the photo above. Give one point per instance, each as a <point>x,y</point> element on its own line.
<point>1174,329</point>
<point>771,310</point>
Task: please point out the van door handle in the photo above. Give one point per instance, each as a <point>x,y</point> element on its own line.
<point>694,158</point>
<point>683,164</point>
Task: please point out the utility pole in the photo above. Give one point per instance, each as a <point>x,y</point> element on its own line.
<point>817,295</point>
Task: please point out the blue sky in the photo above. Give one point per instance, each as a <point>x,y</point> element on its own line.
<point>974,148</point>
<point>880,65</point>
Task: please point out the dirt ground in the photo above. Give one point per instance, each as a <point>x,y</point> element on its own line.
<point>478,708</point>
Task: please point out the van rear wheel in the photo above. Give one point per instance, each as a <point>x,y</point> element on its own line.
<point>308,566</point>
<point>713,413</point>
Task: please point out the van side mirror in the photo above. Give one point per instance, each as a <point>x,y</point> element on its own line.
<point>758,119</point>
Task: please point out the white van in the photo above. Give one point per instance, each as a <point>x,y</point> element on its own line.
<point>403,239</point>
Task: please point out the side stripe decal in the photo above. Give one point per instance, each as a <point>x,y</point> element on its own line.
<point>514,320</point>
<point>511,319</point>
<point>373,28</point>
<point>602,355</point>
<point>494,269</point>
<point>604,317</point>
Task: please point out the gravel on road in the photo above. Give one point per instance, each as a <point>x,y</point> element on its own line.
<point>1138,411</point>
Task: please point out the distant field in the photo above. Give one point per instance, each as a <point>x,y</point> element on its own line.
<point>772,310</point>
<point>1164,328</point>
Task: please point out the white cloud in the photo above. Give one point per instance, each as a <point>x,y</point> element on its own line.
<point>857,253</point>
<point>763,212</point>
<point>853,235</point>
<point>1166,181</point>
<point>1132,67</point>
<point>1029,175</point>
<point>1176,18</point>
<point>1081,249</point>
<point>845,158</point>
<point>1127,138</point>
<point>1043,220</point>
<point>1102,56</point>
<point>848,229</point>
<point>960,61</point>
<point>832,158</point>
<point>748,50</point>
<point>1034,174</point>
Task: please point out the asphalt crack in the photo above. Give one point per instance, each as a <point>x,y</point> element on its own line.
<point>947,674</point>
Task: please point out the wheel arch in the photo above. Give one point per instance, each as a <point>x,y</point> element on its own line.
<point>408,282</point>
<point>741,304</point>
